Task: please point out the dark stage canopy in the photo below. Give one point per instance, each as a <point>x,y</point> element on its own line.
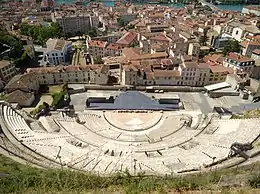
<point>133,100</point>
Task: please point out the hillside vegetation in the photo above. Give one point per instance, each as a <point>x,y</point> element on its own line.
<point>19,178</point>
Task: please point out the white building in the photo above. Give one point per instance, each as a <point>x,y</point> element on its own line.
<point>239,31</point>
<point>242,65</point>
<point>57,51</point>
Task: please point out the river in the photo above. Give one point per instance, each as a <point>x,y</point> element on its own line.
<point>233,7</point>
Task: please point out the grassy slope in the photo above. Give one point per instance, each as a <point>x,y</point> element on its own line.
<point>26,179</point>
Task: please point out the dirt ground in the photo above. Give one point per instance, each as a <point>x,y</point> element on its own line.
<point>43,98</point>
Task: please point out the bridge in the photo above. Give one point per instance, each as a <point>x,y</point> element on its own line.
<point>205,3</point>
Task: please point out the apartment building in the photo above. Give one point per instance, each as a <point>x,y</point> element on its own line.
<point>194,73</point>
<point>113,50</point>
<point>166,77</point>
<point>137,75</point>
<point>96,48</point>
<point>73,23</point>
<point>239,31</point>
<point>248,47</point>
<point>91,74</point>
<point>241,64</point>
<point>102,49</point>
<point>218,74</point>
<point>130,75</point>
<point>57,51</point>
<point>188,73</point>
<point>7,70</point>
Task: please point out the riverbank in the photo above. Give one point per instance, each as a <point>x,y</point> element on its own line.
<point>231,7</point>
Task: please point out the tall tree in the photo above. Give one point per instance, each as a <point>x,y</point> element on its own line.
<point>121,22</point>
<point>41,33</point>
<point>231,46</point>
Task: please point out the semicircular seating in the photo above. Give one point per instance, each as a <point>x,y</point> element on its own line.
<point>169,143</point>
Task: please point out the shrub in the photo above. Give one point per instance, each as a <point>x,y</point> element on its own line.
<point>255,181</point>
<point>39,109</point>
<point>58,99</point>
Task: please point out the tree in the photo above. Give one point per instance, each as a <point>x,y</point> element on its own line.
<point>41,33</point>
<point>11,41</point>
<point>121,22</point>
<point>98,60</point>
<point>134,44</point>
<point>231,46</point>
<point>92,32</point>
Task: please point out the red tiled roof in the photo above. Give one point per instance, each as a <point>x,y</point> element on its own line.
<point>219,69</point>
<point>166,73</point>
<point>214,58</point>
<point>256,51</point>
<point>240,58</point>
<point>254,43</point>
<point>244,44</point>
<point>97,43</point>
<point>113,46</point>
<point>133,54</point>
<point>127,38</point>
<point>159,38</point>
<point>70,68</point>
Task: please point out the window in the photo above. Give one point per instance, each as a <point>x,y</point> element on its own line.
<point>237,32</point>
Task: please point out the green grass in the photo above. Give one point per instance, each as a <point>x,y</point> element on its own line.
<point>26,179</point>
<point>247,114</point>
<point>55,88</point>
